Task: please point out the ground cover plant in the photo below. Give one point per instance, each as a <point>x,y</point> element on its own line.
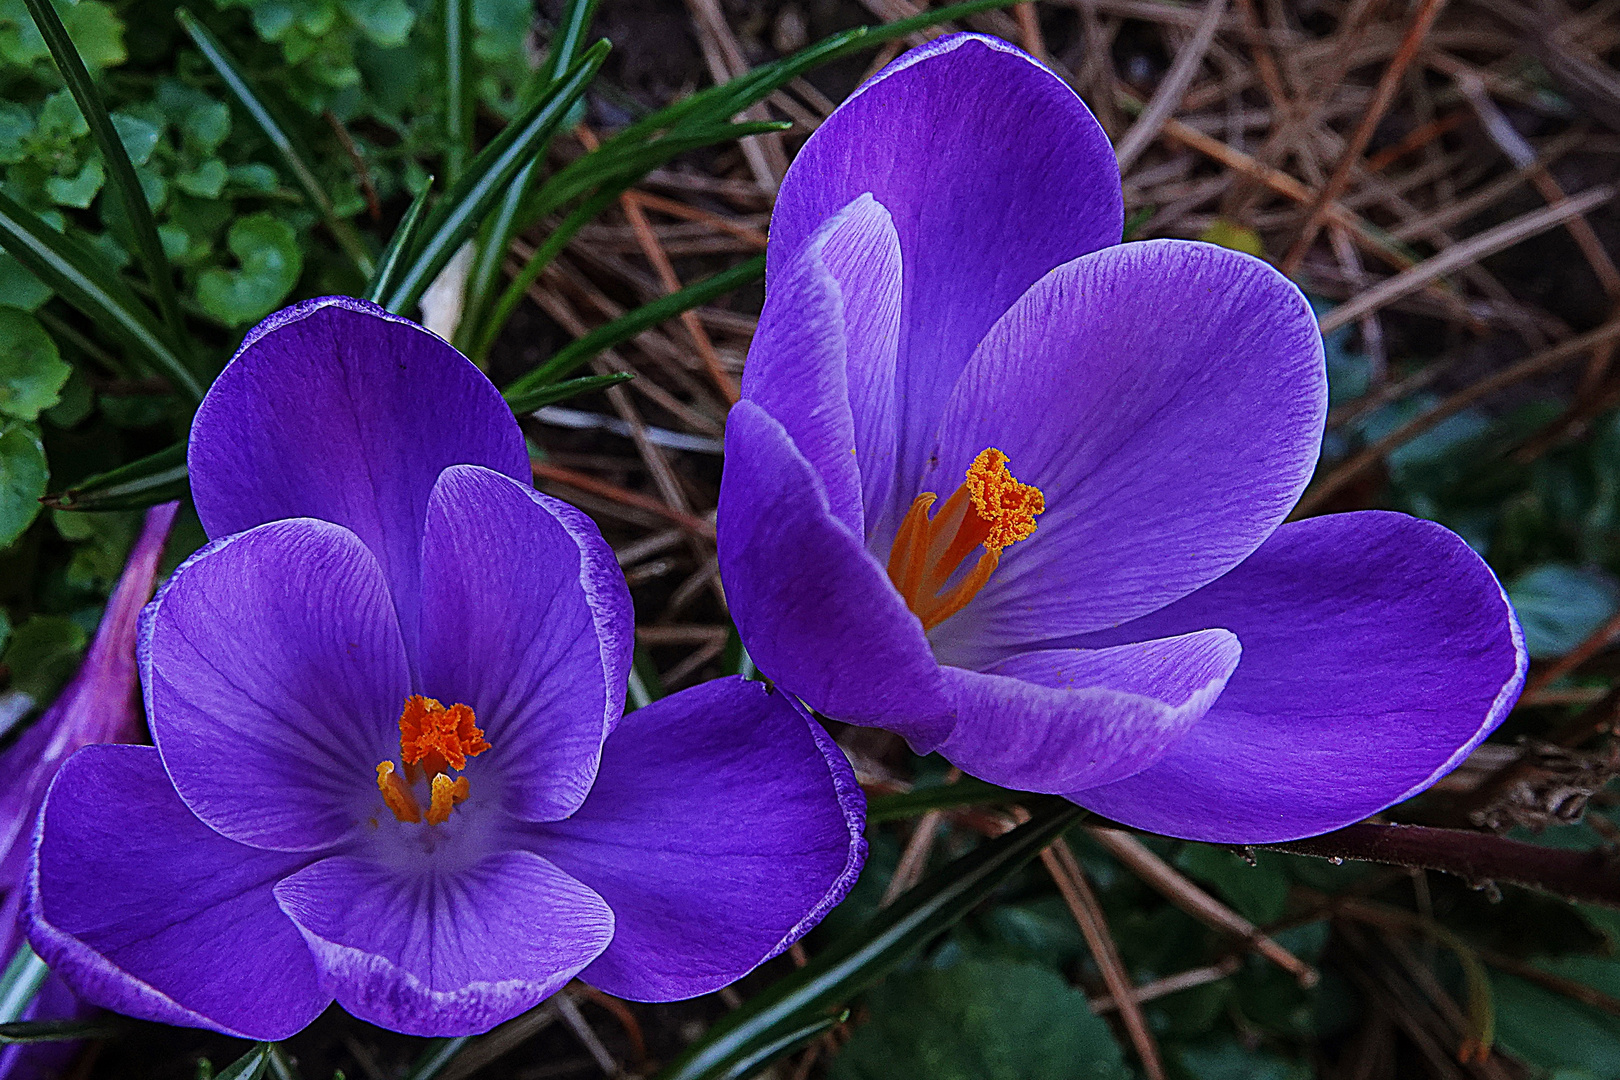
<point>588,225</point>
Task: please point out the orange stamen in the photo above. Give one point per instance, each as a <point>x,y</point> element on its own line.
<point>396,794</point>
<point>432,741</point>
<point>438,737</point>
<point>991,510</point>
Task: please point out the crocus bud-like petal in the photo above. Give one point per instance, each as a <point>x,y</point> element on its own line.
<point>335,409</point>
<point>1378,651</point>
<point>712,835</point>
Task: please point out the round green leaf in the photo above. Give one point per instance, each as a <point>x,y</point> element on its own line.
<point>31,372</point>
<point>980,1020</point>
<point>267,248</point>
<point>23,476</point>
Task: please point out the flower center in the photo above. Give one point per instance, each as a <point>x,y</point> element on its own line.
<point>432,741</point>
<point>990,510</point>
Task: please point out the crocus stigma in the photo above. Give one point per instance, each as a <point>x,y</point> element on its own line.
<point>1016,490</point>
<point>392,763</point>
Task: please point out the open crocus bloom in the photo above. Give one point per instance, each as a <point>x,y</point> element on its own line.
<point>391,766</point>
<point>1015,490</point>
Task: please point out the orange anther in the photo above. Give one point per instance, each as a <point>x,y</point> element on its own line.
<point>438,737</point>
<point>447,795</point>
<point>991,510</point>
<point>396,794</point>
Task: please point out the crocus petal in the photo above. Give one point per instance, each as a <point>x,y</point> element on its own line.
<point>822,362</point>
<point>274,680</point>
<point>526,618</point>
<point>724,825</point>
<point>437,951</point>
<point>1378,651</point>
<point>817,613</point>
<point>335,409</point>
<point>145,910</point>
<point>1061,719</point>
<point>1167,397</point>
<point>995,173</point>
<point>97,706</point>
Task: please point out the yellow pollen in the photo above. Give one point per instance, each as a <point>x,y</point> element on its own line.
<point>990,511</point>
<point>434,740</point>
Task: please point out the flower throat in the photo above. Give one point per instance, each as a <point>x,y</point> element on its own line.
<point>432,741</point>
<point>990,510</point>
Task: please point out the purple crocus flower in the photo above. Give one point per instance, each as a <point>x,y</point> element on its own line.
<point>391,767</point>
<point>98,705</point>
<point>1015,490</point>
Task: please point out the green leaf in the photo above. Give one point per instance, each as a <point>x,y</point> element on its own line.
<point>45,1031</point>
<point>250,1066</point>
<point>206,181</point>
<point>124,182</point>
<point>79,190</point>
<point>980,1020</point>
<point>1230,1061</point>
<point>31,372</point>
<point>385,23</point>
<point>43,653</point>
<point>437,1057</point>
<point>78,274</point>
<point>862,957</point>
<point>562,391</point>
<point>267,248</point>
<point>23,476</point>
<point>226,67</point>
<point>1560,605</point>
<point>156,478</point>
<point>1548,1029</point>
<point>20,288</point>
<point>465,205</point>
<point>968,791</point>
<point>629,325</point>
<point>459,96</point>
<point>20,982</point>
<point>97,31</point>
<point>139,137</point>
<point>1259,892</point>
<point>392,263</point>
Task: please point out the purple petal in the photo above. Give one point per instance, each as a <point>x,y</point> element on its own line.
<point>995,173</point>
<point>1378,651</point>
<point>274,680</point>
<point>525,617</point>
<point>724,825</point>
<point>335,409</point>
<point>97,706</point>
<point>1167,397</point>
<point>145,910</point>
<point>1062,719</point>
<point>822,362</point>
<point>815,610</point>
<point>445,950</point>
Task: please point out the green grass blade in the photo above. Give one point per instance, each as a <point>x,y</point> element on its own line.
<point>148,247</point>
<point>437,1057</point>
<point>631,323</point>
<point>551,394</point>
<point>250,1066</point>
<point>21,981</point>
<point>230,72</point>
<point>505,223</point>
<point>43,1031</point>
<point>458,87</point>
<point>147,481</point>
<point>968,791</point>
<point>77,273</point>
<point>392,263</point>
<point>782,1046</point>
<point>487,177</point>
<point>864,956</point>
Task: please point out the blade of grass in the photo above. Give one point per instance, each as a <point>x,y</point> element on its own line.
<point>77,273</point>
<point>503,225</point>
<point>230,72</point>
<point>968,791</point>
<point>145,482</point>
<point>23,977</point>
<point>782,1046</point>
<point>392,263</point>
<point>487,176</point>
<point>864,956</point>
<point>436,1057</point>
<point>148,247</point>
<point>634,322</point>
<point>458,90</point>
<point>250,1066</point>
<point>555,392</point>
<point>43,1031</point>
